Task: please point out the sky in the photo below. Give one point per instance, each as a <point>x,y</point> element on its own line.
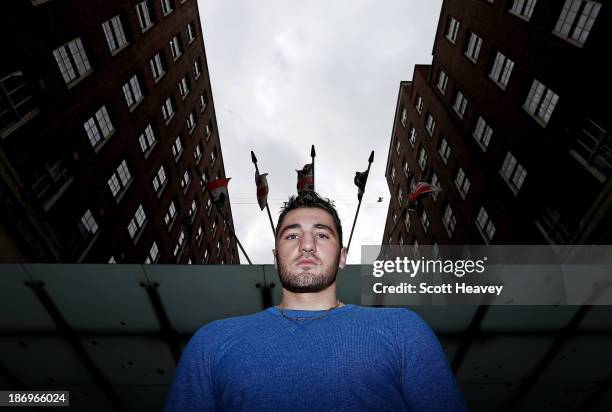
<point>287,74</point>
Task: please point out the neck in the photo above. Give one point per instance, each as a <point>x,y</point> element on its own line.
<point>322,300</point>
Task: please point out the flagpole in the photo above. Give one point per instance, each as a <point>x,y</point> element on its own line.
<point>370,160</point>
<point>233,233</point>
<point>313,155</point>
<point>226,222</point>
<point>254,160</point>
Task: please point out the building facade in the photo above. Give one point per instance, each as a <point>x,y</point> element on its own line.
<point>510,120</point>
<point>107,133</point>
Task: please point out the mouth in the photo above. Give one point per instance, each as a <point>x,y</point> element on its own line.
<point>306,262</point>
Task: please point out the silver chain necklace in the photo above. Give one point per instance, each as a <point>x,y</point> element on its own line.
<point>304,318</point>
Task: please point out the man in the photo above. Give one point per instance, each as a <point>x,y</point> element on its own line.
<point>313,352</point>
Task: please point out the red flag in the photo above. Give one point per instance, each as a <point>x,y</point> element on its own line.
<point>305,182</point>
<point>262,189</point>
<point>218,189</point>
<point>421,190</point>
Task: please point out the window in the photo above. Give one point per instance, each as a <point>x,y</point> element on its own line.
<point>400,195</point>
<point>576,19</point>
<point>462,183</point>
<point>191,122</point>
<point>175,47</point>
<point>397,145</point>
<point>137,222</point>
<point>208,206</point>
<point>168,110</point>
<point>157,66</point>
<point>184,87</point>
<point>170,215</point>
<point>394,217</point>
<point>119,179</point>
<point>460,104</point>
<point>449,221</point>
<point>415,249</point>
<point>473,47</point>
<point>146,139</point>
<point>422,158</point>
<point>199,233</point>
<point>115,36</point>
<point>144,17</point>
<point>413,136</point>
<point>424,221</point>
<point>213,229</point>
<point>98,127</point>
<point>112,260</point>
<point>452,29</point>
<point>194,208</point>
<point>406,169</point>
<point>88,223</point>
<point>444,150</point>
<point>485,225</point>
<point>501,70</point>
<point>177,148</point>
<point>208,131</point>
<point>213,156</point>
<point>179,243</point>
<point>393,175</point>
<point>430,124</point>
<point>513,173</point>
<point>541,102</point>
<point>153,254</point>
<point>166,7</point>
<point>404,116</point>
<point>190,30</point>
<point>72,60</point>
<point>419,104</point>
<point>218,247</point>
<point>407,221</point>
<point>197,153</point>
<point>482,133</point>
<point>523,8</point>
<point>197,68</point>
<point>185,180</point>
<point>442,81</point>
<point>434,182</point>
<point>206,255</point>
<point>160,179</point>
<point>203,102</point>
<point>132,92</point>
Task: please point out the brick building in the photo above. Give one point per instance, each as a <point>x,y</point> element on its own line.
<point>510,120</point>
<point>107,129</point>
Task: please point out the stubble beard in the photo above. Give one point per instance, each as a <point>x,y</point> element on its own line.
<point>307,282</point>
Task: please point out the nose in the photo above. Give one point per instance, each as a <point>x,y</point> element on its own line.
<point>308,243</point>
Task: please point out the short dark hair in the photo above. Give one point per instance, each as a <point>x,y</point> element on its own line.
<point>311,200</point>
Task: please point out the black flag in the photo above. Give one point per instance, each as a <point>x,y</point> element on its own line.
<point>361,179</point>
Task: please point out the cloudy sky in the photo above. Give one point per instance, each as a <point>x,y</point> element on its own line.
<point>287,74</point>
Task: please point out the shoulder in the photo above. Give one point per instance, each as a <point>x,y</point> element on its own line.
<point>395,315</point>
<point>402,322</point>
<point>223,329</point>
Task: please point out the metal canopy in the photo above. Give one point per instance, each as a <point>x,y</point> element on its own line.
<point>112,334</point>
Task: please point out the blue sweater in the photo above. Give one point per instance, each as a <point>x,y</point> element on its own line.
<point>353,359</point>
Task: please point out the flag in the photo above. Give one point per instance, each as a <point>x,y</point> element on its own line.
<point>262,189</point>
<point>218,189</point>
<point>360,180</point>
<point>421,190</point>
<point>305,182</point>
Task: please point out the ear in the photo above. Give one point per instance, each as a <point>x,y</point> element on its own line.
<point>274,254</point>
<point>343,256</point>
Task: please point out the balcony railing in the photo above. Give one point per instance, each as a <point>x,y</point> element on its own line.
<point>17,103</point>
<point>593,149</point>
<point>50,183</point>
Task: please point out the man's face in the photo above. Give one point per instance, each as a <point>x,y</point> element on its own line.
<point>308,251</point>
